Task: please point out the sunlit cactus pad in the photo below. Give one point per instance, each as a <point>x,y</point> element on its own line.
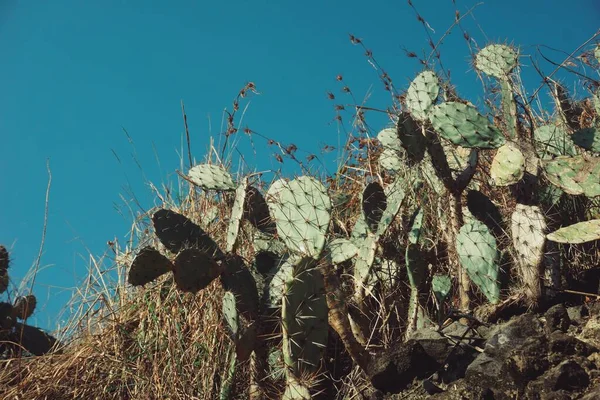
<point>581,232</point>
<point>496,60</point>
<point>211,177</point>
<point>421,94</point>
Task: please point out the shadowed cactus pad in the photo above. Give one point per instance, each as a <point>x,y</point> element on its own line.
<point>4,258</point>
<point>374,201</point>
<point>464,126</point>
<point>411,137</point>
<point>575,175</point>
<point>395,196</point>
<point>256,211</point>
<point>194,270</point>
<point>478,254</point>
<point>301,210</point>
<point>147,266</point>
<point>24,306</point>
<point>238,279</point>
<point>441,285</point>
<point>496,60</point>
<point>177,232</point>
<point>508,165</point>
<point>581,232</point>
<point>421,94</point>
<point>588,138</point>
<point>34,340</point>
<point>211,177</point>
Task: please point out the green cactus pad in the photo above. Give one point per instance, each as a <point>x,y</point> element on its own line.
<point>194,270</point>
<point>528,234</point>
<point>177,232</point>
<point>389,139</point>
<point>256,211</point>
<point>478,254</point>
<point>301,210</point>
<point>508,165</point>
<point>464,126</point>
<point>34,340</point>
<point>237,278</point>
<point>597,53</point>
<point>441,285</point>
<point>211,177</point>
<point>411,137</point>
<point>277,284</point>
<point>263,242</point>
<point>391,160</point>
<point>147,266</point>
<point>294,390</point>
<point>373,201</point>
<point>417,224</point>
<point>596,102</point>
<point>551,141</point>
<point>237,213</point>
<point>422,94</point>
<point>24,306</point>
<point>359,231</point>
<point>588,138</point>
<point>304,318</point>
<point>340,250</point>
<point>575,175</point>
<point>230,315</point>
<point>395,196</point>
<point>496,60</point>
<point>364,263</point>
<point>581,232</point>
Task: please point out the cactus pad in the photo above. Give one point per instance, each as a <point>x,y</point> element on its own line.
<point>304,318</point>
<point>237,213</point>
<point>464,126</point>
<point>230,315</point>
<point>422,94</point>
<point>194,270</point>
<point>478,254</point>
<point>496,60</point>
<point>24,306</point>
<point>34,340</point>
<point>301,210</point>
<point>363,264</point>
<point>211,177</point>
<point>528,234</point>
<point>256,211</point>
<point>508,165</point>
<point>374,201</point>
<point>277,284</point>
<point>551,141</point>
<point>441,285</point>
<point>395,196</point>
<point>4,258</point>
<point>390,160</point>
<point>340,250</point>
<point>575,175</point>
<point>581,232</point>
<point>237,278</point>
<point>588,138</point>
<point>411,137</point>
<point>177,232</point>
<point>147,266</point>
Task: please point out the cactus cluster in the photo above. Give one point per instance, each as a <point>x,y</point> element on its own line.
<point>445,167</point>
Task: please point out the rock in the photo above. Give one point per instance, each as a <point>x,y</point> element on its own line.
<point>591,331</point>
<point>577,314</point>
<point>430,387</point>
<point>528,361</point>
<point>557,317</point>
<point>487,373</point>
<point>592,394</point>
<point>564,345</point>
<point>394,370</point>
<point>461,390</point>
<point>512,334</point>
<point>568,375</point>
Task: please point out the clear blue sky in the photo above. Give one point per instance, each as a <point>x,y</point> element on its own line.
<point>74,73</point>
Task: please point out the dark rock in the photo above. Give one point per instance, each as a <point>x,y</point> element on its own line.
<point>568,375</point>
<point>528,361</point>
<point>431,388</point>
<point>577,314</point>
<point>487,373</point>
<point>512,334</point>
<point>462,390</point>
<point>592,394</point>
<point>557,318</point>
<point>394,370</point>
<point>565,345</point>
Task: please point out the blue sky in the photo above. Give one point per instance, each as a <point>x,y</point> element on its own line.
<point>73,74</point>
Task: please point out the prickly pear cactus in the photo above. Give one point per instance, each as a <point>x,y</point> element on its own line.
<point>411,138</point>
<point>508,165</point>
<point>441,285</point>
<point>392,155</point>
<point>464,126</point>
<point>177,232</point>
<point>237,213</point>
<point>147,266</point>
<point>581,232</point>
<point>301,210</point>
<point>374,201</point>
<point>24,306</point>
<point>478,254</point>
<point>575,175</point>
<point>340,250</point>
<point>496,60</point>
<point>395,196</point>
<point>194,270</point>
<point>422,94</point>
<point>528,233</point>
<point>363,265</point>
<point>551,141</point>
<point>588,138</point>
<point>256,211</point>
<point>304,319</point>
<point>211,177</point>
